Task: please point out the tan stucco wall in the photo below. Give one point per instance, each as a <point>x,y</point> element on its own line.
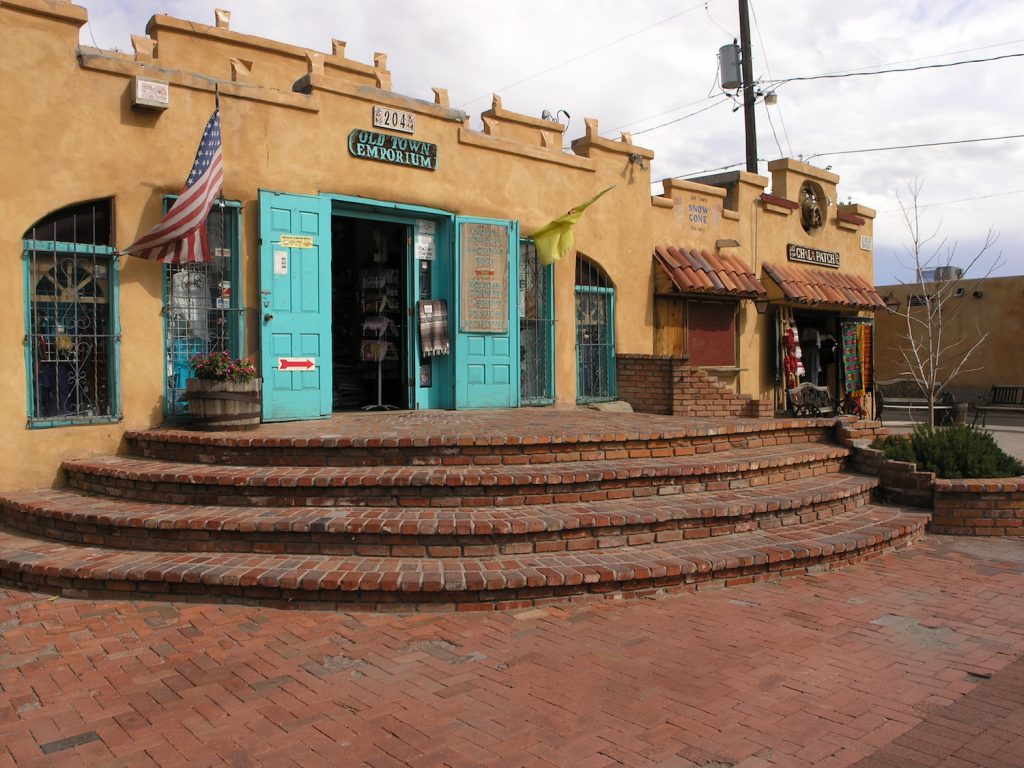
<point>69,128</point>
<point>997,311</point>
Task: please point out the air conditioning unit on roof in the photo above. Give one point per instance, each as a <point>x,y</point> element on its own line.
<point>947,273</point>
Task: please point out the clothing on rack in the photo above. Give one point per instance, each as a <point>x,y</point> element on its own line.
<point>810,346</point>
<point>433,316</point>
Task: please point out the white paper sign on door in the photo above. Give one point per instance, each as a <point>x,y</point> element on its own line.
<point>280,262</point>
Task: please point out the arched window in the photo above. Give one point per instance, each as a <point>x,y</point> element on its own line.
<point>71,286</point>
<point>595,333</point>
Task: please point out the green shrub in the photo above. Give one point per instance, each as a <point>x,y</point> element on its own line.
<point>951,452</point>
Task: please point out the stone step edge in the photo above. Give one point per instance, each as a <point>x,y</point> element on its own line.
<point>243,440</point>
<point>509,581</point>
<point>724,462</point>
<point>711,506</point>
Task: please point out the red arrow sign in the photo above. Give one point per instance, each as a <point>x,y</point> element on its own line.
<point>301,363</point>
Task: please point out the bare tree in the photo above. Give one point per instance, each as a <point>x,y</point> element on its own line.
<point>933,357</point>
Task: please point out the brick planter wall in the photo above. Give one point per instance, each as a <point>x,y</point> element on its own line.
<point>992,507</point>
<point>979,507</point>
<point>901,483</point>
<point>670,386</point>
<point>849,431</point>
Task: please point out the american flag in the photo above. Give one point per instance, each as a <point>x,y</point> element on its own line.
<point>180,236</point>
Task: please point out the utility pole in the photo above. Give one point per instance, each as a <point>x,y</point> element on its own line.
<point>748,89</point>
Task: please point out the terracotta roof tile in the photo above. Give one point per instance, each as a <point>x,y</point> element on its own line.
<point>820,286</point>
<point>694,271</point>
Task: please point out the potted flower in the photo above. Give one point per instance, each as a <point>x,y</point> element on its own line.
<point>224,392</point>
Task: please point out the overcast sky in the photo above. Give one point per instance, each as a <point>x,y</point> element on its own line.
<point>648,65</point>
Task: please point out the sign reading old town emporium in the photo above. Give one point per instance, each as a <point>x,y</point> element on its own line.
<point>814,256</point>
<point>392,149</point>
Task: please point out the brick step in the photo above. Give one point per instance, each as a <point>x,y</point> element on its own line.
<point>415,439</point>
<point>430,532</point>
<point>466,486</point>
<point>375,583</point>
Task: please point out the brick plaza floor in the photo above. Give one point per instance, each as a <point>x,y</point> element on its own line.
<point>911,659</point>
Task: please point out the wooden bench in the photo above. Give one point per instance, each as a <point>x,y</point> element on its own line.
<point>899,394</point>
<point>809,400</point>
<point>1004,398</point>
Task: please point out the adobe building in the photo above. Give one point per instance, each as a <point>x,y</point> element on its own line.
<point>350,215</point>
<point>974,307</point>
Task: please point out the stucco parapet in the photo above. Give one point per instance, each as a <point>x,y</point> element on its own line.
<point>592,139</point>
<point>311,83</point>
<point>54,9</point>
<point>660,201</point>
<point>485,141</point>
<point>336,60</point>
<point>682,185</point>
<point>126,66</point>
<point>856,209</point>
<point>734,177</point>
<point>789,165</point>
<point>549,133</point>
<point>730,214</point>
<point>508,116</point>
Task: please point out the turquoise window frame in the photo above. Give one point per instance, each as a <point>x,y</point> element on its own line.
<point>610,357</point>
<point>114,362</point>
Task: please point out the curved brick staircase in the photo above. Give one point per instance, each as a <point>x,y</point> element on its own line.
<point>480,510</point>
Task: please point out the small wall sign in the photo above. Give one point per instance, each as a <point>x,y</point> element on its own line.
<point>151,94</point>
<point>424,246</point>
<point>296,364</point>
<point>280,263</point>
<point>812,256</point>
<point>393,119</point>
<point>296,241</point>
<point>484,279</point>
<point>393,149</point>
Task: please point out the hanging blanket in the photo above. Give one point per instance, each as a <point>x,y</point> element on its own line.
<point>852,369</point>
<point>434,327</point>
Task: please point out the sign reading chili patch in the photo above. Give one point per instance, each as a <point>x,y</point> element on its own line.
<point>393,149</point>
<point>812,256</point>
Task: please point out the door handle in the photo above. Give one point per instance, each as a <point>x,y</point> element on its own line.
<point>267,318</point>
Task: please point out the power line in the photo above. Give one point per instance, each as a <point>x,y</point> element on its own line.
<point>768,69</point>
<point>785,131</point>
<point>777,83</point>
<point>914,146</point>
<point>962,200</point>
<point>613,131</point>
<point>590,52</point>
<point>700,173</point>
<point>926,58</point>
<point>853,152</point>
<point>684,117</point>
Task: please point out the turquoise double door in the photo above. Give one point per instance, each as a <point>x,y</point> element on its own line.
<point>474,269</point>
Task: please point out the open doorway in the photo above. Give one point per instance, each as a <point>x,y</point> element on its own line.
<point>370,330</point>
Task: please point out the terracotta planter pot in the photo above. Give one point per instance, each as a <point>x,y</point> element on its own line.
<point>223,404</point>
